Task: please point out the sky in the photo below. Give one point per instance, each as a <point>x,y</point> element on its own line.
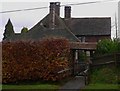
<point>30,18</point>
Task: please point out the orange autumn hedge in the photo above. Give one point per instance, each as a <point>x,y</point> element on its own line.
<point>35,60</point>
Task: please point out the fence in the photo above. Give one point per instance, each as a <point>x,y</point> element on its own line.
<point>84,69</point>
<point>111,61</point>
<point>108,59</point>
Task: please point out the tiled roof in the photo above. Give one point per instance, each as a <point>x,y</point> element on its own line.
<point>67,28</point>
<point>41,30</point>
<point>89,26</point>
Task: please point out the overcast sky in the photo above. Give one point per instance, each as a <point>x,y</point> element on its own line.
<point>30,18</point>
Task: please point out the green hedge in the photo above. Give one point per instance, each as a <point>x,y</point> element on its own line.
<point>35,60</point>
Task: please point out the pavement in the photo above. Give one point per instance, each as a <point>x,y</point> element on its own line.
<point>74,85</point>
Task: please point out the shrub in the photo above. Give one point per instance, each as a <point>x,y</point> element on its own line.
<point>104,75</point>
<point>35,60</point>
<point>82,56</point>
<point>107,46</point>
<point>118,74</point>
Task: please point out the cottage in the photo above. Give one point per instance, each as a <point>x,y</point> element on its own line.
<point>83,33</point>
<point>73,29</point>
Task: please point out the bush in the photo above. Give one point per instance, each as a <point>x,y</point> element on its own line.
<point>104,75</point>
<point>35,60</point>
<point>107,46</point>
<point>82,56</point>
<point>118,73</point>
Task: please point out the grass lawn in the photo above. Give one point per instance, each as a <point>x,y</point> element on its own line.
<point>45,86</point>
<point>38,86</point>
<point>103,86</point>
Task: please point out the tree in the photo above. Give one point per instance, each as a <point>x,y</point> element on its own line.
<point>24,30</point>
<point>8,29</point>
<point>108,46</point>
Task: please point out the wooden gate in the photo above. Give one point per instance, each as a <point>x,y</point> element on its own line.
<point>81,69</point>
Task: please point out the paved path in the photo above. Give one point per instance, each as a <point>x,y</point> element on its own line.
<point>74,85</point>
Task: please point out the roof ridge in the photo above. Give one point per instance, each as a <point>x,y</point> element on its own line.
<point>39,22</point>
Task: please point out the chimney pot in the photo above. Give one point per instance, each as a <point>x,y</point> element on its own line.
<point>67,11</point>
<point>57,8</point>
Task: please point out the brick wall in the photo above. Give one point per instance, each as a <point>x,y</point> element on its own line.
<point>95,38</point>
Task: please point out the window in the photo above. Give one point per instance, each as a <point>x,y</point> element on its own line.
<point>82,39</point>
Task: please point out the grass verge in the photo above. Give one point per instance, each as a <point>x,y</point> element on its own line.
<point>103,86</point>
<point>40,86</point>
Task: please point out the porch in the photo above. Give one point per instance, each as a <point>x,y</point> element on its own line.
<point>81,67</point>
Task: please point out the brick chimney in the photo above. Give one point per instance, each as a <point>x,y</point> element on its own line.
<point>57,8</point>
<point>67,12</point>
<point>54,9</point>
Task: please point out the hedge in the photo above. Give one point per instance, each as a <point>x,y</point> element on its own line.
<point>35,60</point>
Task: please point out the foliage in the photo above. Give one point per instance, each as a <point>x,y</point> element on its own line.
<point>8,30</point>
<point>118,72</point>
<point>107,46</point>
<point>104,75</point>
<point>24,30</point>
<point>35,60</point>
<point>82,56</point>
<point>101,87</point>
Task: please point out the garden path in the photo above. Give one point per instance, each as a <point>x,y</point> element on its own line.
<point>74,85</point>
